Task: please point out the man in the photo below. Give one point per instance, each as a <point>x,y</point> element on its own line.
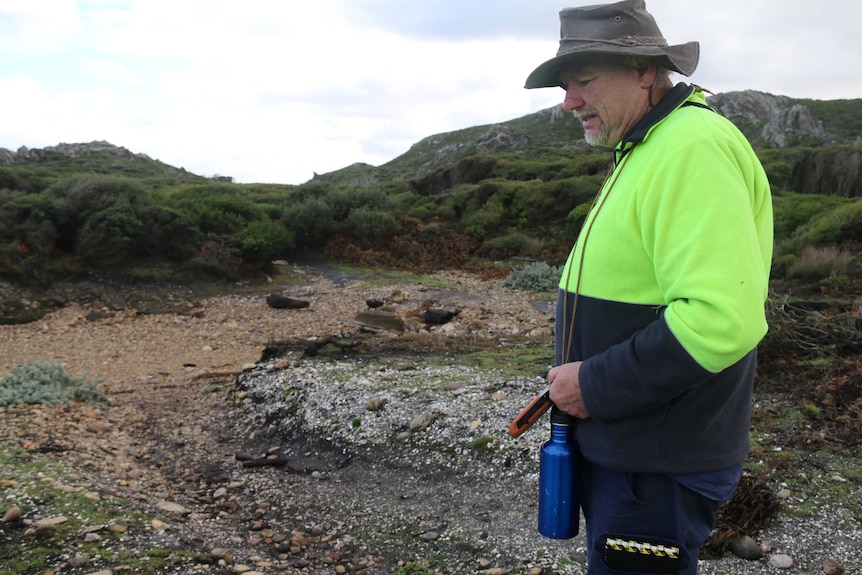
<point>661,303</point>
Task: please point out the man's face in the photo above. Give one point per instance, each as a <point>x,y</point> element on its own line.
<point>606,96</point>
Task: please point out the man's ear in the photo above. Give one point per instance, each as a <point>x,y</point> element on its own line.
<point>646,73</point>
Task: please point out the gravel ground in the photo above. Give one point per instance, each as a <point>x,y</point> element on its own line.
<point>484,498</point>
<point>340,463</point>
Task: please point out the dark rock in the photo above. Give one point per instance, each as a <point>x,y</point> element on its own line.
<point>279,301</point>
<point>438,316</point>
<point>746,548</point>
<point>374,303</point>
<point>833,567</point>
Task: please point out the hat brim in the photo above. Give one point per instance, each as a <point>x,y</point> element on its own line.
<point>681,58</point>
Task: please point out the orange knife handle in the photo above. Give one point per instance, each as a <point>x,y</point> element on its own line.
<point>531,413</point>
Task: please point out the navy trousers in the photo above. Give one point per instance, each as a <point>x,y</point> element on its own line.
<point>637,521</point>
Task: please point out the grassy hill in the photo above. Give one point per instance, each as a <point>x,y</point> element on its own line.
<point>518,189</point>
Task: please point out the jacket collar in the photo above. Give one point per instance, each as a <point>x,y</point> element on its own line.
<point>675,98</point>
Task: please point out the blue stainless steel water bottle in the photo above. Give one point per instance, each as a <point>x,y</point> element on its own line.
<point>558,479</point>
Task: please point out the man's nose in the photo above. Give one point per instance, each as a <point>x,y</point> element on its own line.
<point>572,100</point>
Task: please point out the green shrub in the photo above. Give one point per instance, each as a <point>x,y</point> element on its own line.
<point>47,383</point>
<point>311,220</point>
<point>110,235</point>
<point>262,242</point>
<point>214,210</point>
<point>370,227</point>
<point>842,224</point>
<point>485,222</point>
<point>512,245</point>
<point>24,220</point>
<point>579,212</point>
<point>344,201</point>
<point>793,211</point>
<point>537,276</point>
<point>75,200</point>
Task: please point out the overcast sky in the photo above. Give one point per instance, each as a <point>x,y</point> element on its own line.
<point>275,90</point>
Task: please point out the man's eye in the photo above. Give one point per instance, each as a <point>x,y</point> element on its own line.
<point>581,83</point>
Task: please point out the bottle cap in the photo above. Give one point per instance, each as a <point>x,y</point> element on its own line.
<point>560,417</point>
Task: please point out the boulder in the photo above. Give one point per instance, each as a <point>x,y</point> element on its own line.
<point>376,319</point>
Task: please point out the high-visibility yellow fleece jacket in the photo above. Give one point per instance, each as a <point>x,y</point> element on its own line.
<point>663,295</point>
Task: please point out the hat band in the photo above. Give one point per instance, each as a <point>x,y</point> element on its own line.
<point>625,41</point>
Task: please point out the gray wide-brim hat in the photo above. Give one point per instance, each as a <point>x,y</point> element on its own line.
<point>620,29</point>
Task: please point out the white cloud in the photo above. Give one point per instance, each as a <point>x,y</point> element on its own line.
<point>267,90</point>
<point>38,26</point>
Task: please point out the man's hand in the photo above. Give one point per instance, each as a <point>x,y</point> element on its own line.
<point>566,389</point>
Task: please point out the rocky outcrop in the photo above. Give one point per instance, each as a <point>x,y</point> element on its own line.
<point>829,172</point>
<point>26,155</point>
<point>499,138</point>
<point>470,170</point>
<point>774,121</point>
<point>6,157</point>
<point>831,165</point>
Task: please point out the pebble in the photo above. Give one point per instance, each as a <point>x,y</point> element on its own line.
<point>171,507</point>
<point>222,554</point>
<point>51,521</point>
<point>79,560</point>
<point>376,403</point>
<point>781,561</point>
<point>99,427</point>
<point>833,567</point>
<point>421,421</point>
<point>14,514</point>
<point>746,548</point>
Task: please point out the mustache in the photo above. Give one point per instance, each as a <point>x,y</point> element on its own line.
<point>580,115</point>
